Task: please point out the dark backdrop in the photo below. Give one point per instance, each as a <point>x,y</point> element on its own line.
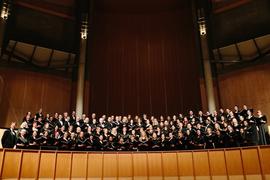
<point>142,58</point>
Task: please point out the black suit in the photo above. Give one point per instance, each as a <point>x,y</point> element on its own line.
<point>9,139</point>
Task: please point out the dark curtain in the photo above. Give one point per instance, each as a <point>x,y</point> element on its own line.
<point>143,62</point>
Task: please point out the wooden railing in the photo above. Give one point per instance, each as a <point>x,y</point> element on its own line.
<point>236,163</point>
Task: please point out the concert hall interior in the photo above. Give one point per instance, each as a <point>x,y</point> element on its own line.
<point>135,89</point>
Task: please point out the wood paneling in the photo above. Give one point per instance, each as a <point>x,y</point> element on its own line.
<point>63,166</point>
<point>234,164</point>
<point>95,165</point>
<point>79,165</point>
<point>24,91</point>
<point>248,86</point>
<point>125,165</point>
<point>110,165</point>
<point>170,164</point>
<point>201,164</point>
<point>47,165</point>
<point>155,166</point>
<point>140,165</point>
<point>185,164</point>
<point>30,162</point>
<point>11,166</point>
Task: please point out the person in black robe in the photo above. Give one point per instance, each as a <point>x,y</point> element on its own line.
<point>9,138</point>
<point>39,114</point>
<point>90,143</point>
<point>65,142</point>
<point>261,122</point>
<point>46,140</point>
<point>243,137</point>
<point>198,140</point>
<point>154,143</point>
<point>254,132</point>
<point>34,140</point>
<point>171,142</point>
<point>133,144</point>
<point>122,145</point>
<point>219,139</point>
<point>100,145</point>
<point>232,137</point>
<point>143,142</point>
<point>22,142</point>
<point>81,142</point>
<point>73,141</point>
<point>164,144</point>
<point>209,139</point>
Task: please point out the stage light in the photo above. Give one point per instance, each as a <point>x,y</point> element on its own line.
<point>84,27</point>
<point>5,11</point>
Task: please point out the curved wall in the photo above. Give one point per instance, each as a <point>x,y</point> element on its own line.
<point>22,91</point>
<point>235,164</point>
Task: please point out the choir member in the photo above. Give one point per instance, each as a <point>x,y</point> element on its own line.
<point>229,128</point>
<point>22,141</point>
<point>34,140</point>
<point>81,141</point>
<point>209,139</point>
<point>261,122</point>
<point>9,138</point>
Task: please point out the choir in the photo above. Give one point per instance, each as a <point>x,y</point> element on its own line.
<point>222,129</point>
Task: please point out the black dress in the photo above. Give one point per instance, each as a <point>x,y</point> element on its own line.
<point>9,139</point>
<point>261,124</point>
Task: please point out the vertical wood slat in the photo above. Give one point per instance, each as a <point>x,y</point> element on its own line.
<point>242,163</point>
<point>71,160</point>
<point>147,165</point>
<point>209,165</point>
<point>226,166</point>
<point>102,170</point>
<point>162,166</point>
<point>38,166</point>
<point>55,165</point>
<point>87,159</point>
<point>132,160</point>
<point>178,172</point>
<point>2,165</point>
<point>193,165</point>
<point>117,165</point>
<point>20,166</point>
<point>260,162</point>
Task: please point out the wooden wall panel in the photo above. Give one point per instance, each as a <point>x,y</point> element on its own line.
<point>125,165</point>
<point>110,166</point>
<point>1,160</point>
<point>185,165</point>
<point>11,164</point>
<point>231,164</point>
<point>265,161</point>
<point>79,165</point>
<point>24,91</point>
<point>30,163</point>
<point>201,165</point>
<point>155,166</point>
<point>251,164</point>
<point>247,86</point>
<point>218,165</point>
<point>63,166</point>
<point>170,165</point>
<point>47,165</point>
<point>95,166</point>
<point>140,165</point>
<point>234,164</point>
